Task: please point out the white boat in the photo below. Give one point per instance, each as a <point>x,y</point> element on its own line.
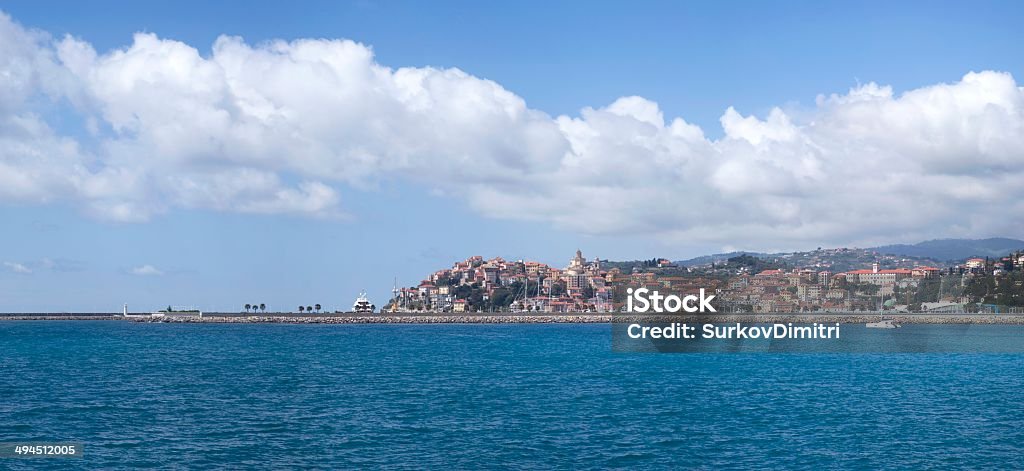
<point>883,324</point>
<point>363,304</point>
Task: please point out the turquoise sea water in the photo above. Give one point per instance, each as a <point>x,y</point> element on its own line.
<point>472,396</point>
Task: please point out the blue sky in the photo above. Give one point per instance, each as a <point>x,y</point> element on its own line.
<point>693,60</point>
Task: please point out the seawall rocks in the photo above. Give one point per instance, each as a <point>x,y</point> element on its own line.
<point>508,318</point>
<point>587,318</point>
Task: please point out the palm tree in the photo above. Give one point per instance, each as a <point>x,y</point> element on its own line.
<point>309,308</point>
<point>247,307</point>
<point>302,308</point>
<point>317,308</point>
<point>263,307</point>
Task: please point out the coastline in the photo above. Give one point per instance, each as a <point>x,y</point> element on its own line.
<point>517,318</point>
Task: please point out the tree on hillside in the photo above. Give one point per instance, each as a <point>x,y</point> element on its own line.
<point>588,292</point>
<point>501,298</point>
<point>558,288</point>
<point>754,264</point>
<point>869,289</point>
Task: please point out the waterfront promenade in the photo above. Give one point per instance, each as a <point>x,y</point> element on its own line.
<point>530,318</point>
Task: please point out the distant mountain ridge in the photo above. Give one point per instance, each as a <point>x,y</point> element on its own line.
<point>948,250</point>
<point>954,249</point>
<point>719,257</point>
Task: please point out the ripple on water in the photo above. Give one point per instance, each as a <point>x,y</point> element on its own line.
<point>470,396</point>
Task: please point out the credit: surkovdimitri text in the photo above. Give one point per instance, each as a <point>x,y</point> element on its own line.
<point>676,330</point>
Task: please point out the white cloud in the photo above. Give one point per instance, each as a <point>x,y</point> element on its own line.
<point>278,127</point>
<point>146,270</point>
<point>18,268</point>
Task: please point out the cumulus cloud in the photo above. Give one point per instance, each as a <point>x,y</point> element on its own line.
<point>18,268</point>
<point>143,165</point>
<point>146,270</point>
<point>279,127</point>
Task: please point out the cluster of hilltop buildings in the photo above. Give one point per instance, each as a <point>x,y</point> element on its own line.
<point>812,290</point>
<point>582,286</point>
<point>927,288</point>
<point>477,284</point>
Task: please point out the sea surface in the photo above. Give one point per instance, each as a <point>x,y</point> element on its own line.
<point>483,396</point>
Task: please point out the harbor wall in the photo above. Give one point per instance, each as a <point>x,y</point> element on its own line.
<point>597,318</point>
<point>520,318</point>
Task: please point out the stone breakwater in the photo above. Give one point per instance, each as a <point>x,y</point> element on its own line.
<point>568,318</point>
<point>585,318</point>
<point>439,318</point>
<point>61,317</point>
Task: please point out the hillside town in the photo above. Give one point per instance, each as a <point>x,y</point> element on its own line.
<point>817,281</point>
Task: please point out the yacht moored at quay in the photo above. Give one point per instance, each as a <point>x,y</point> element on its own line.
<point>363,304</point>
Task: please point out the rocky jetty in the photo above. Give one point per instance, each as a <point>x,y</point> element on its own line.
<point>524,318</point>
<point>595,318</point>
<point>61,317</point>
